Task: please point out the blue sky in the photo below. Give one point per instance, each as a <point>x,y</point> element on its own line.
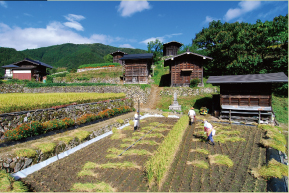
<point>131,24</point>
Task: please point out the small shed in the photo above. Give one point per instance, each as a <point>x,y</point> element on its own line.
<point>26,69</point>
<point>246,97</point>
<point>137,68</point>
<point>186,66</point>
<point>171,48</point>
<point>117,55</point>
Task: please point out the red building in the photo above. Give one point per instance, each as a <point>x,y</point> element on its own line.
<point>26,69</point>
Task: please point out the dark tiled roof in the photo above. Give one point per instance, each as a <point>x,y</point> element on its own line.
<point>118,52</point>
<point>249,78</point>
<point>10,66</point>
<point>137,56</point>
<point>38,62</point>
<point>180,44</point>
<point>206,57</point>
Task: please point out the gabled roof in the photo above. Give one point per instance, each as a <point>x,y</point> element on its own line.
<point>28,60</point>
<point>180,44</point>
<point>249,78</point>
<point>118,52</point>
<point>204,57</point>
<point>137,56</point>
<point>37,62</point>
<point>10,66</point>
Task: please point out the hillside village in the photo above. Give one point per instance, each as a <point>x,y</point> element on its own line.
<point>83,120</point>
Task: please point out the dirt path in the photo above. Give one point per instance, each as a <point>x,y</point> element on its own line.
<point>153,98</point>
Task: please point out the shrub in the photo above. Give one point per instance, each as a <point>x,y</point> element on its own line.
<point>194,82</point>
<point>24,130</point>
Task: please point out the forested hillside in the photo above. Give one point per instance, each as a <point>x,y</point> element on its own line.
<point>65,55</point>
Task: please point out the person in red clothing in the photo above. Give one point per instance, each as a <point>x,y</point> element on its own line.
<point>208,128</point>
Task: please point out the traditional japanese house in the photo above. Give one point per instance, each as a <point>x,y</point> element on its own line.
<point>137,68</point>
<point>171,48</point>
<point>26,69</point>
<point>117,55</point>
<point>246,97</point>
<point>186,66</point>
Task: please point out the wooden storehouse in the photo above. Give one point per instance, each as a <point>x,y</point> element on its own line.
<point>246,97</point>
<point>137,68</point>
<point>171,48</point>
<point>117,55</point>
<point>185,67</point>
<point>26,69</point>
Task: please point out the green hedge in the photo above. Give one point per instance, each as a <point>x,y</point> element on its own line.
<point>98,65</point>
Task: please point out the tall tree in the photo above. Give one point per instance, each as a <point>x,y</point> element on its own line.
<point>108,58</point>
<point>156,47</point>
<point>242,48</point>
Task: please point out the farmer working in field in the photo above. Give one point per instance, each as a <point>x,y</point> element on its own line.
<point>192,115</point>
<point>136,120</point>
<point>209,130</point>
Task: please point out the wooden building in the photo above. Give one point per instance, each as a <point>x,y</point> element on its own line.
<point>171,48</point>
<point>186,66</point>
<point>137,68</point>
<point>246,97</point>
<point>26,69</point>
<point>117,55</point>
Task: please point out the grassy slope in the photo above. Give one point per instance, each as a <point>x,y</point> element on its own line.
<point>280,107</point>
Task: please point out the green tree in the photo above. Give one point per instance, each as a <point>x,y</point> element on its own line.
<point>242,48</point>
<point>108,58</point>
<point>156,47</point>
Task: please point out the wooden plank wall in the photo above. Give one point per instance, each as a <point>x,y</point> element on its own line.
<point>136,71</point>
<point>246,94</point>
<point>179,77</point>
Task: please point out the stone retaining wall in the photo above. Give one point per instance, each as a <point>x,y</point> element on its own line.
<point>12,163</point>
<point>10,121</point>
<point>187,91</point>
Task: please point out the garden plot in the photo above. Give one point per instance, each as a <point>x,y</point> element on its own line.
<point>225,167</point>
<point>98,167</point>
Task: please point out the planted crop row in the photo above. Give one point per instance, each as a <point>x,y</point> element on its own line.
<point>36,128</point>
<point>157,165</point>
<point>29,101</point>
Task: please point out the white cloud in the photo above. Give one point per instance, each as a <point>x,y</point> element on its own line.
<point>54,33</point>
<point>125,46</point>
<point>27,14</point>
<point>128,8</point>
<point>162,38</point>
<point>72,18</point>
<point>244,7</point>
<point>3,4</point>
<point>210,19</point>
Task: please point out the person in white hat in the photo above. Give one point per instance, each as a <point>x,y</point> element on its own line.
<point>192,115</point>
<point>208,128</point>
<point>136,120</point>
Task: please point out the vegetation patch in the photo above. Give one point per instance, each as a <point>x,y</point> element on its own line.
<point>165,114</point>
<point>28,101</point>
<point>89,187</point>
<point>25,152</point>
<point>45,147</point>
<point>157,166</point>
<point>131,122</point>
<point>86,173</point>
<point>273,169</point>
<point>199,150</point>
<point>81,135</point>
<point>66,139</point>
<point>117,134</point>
<point>120,121</point>
<point>221,160</point>
<point>199,163</point>
<point>8,184</point>
<point>123,165</point>
<point>127,128</point>
<point>276,139</point>
<point>156,135</point>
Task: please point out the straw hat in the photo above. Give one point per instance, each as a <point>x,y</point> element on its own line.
<point>204,120</point>
<point>192,108</point>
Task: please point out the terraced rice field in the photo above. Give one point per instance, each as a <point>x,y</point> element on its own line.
<point>99,168</point>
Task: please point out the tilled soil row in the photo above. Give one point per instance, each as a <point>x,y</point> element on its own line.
<point>60,176</point>
<point>184,177</point>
